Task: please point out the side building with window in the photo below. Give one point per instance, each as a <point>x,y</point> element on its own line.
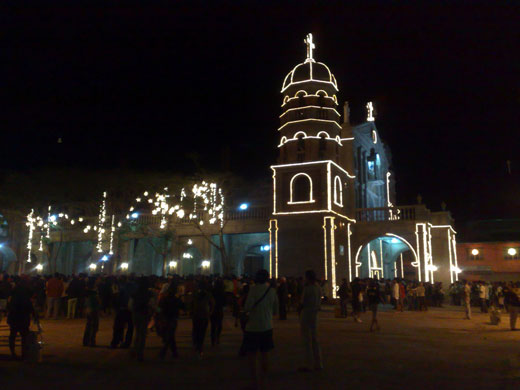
<point>490,250</point>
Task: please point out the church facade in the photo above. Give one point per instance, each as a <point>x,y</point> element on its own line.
<point>333,195</point>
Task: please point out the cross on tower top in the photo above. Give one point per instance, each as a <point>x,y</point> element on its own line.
<point>310,46</point>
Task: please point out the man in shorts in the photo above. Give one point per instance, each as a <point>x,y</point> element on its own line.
<point>261,304</point>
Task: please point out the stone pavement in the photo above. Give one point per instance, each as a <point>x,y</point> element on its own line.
<point>437,349</point>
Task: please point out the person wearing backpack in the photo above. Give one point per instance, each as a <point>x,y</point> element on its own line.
<point>261,304</point>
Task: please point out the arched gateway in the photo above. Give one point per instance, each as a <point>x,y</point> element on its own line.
<point>333,195</point>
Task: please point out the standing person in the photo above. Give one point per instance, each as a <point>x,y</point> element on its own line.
<point>421,297</point>
<point>169,306</point>
<point>512,298</point>
<point>402,294</point>
<point>311,301</point>
<point>261,304</point>
<point>123,316</point>
<point>283,298</point>
<point>343,297</point>
<point>19,311</point>
<point>395,294</point>
<point>217,315</point>
<point>374,299</point>
<point>141,313</point>
<point>467,299</point>
<point>92,309</point>
<point>482,294</point>
<point>201,309</point>
<point>356,303</point>
<point>54,289</point>
<point>73,292</point>
<point>5,292</point>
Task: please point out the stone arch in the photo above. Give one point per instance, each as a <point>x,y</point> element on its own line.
<point>395,246</point>
<point>338,191</point>
<point>190,265</point>
<point>300,186</point>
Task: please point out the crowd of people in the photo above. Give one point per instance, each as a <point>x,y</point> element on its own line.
<point>141,304</point>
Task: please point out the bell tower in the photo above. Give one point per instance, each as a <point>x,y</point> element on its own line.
<point>311,183</point>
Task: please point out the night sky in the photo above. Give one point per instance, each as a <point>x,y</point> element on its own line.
<point>159,88</point>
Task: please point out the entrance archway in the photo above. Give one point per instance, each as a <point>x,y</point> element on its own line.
<point>387,257</point>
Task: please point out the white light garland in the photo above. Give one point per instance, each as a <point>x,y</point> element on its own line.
<point>30,224</point>
<point>101,223</point>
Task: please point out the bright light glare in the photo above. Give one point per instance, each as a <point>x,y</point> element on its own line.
<point>474,252</point>
<point>104,258</point>
<point>135,215</point>
<point>394,240</point>
<point>243,206</point>
<point>265,248</point>
<point>511,251</point>
<point>173,264</point>
<point>206,263</point>
<point>39,267</point>
<point>124,265</point>
<point>92,267</point>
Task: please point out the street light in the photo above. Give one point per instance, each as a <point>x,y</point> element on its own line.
<point>511,252</point>
<point>475,252</point>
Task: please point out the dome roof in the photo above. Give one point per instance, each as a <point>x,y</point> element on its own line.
<point>309,71</point>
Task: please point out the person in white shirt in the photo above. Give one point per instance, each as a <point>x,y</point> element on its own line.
<point>261,304</point>
<point>483,293</point>
<point>395,293</point>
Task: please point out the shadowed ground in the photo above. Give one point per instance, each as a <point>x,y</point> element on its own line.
<point>414,350</point>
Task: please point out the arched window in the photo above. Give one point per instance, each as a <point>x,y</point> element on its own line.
<point>301,189</point>
<point>322,146</point>
<point>338,192</point>
<point>300,150</point>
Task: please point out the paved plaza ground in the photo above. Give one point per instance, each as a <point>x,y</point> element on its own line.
<point>437,349</point>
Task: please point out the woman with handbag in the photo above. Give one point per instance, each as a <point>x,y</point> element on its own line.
<point>261,305</point>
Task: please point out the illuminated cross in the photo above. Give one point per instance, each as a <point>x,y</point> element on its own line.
<point>370,114</point>
<point>310,46</point>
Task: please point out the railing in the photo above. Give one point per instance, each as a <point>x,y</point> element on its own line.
<point>251,213</point>
<point>401,213</point>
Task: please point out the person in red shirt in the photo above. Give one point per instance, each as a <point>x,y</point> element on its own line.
<point>54,290</point>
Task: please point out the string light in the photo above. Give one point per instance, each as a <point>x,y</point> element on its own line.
<point>101,223</point>
<point>273,230</point>
<point>308,120</point>
<point>112,230</point>
<point>370,112</point>
<point>30,224</point>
